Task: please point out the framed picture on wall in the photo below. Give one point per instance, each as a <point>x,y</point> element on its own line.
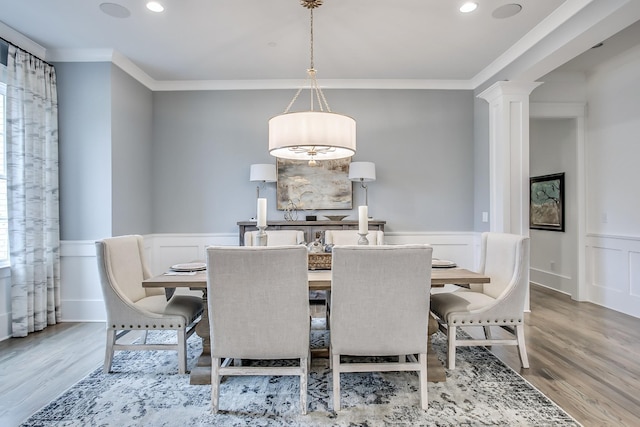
<point>546,208</point>
<point>324,186</point>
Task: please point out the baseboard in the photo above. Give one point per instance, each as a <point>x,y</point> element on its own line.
<point>5,326</point>
<point>551,288</point>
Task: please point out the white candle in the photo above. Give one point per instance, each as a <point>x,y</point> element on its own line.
<point>262,212</point>
<point>363,222</point>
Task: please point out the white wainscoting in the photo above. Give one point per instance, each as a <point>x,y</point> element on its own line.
<point>613,272</point>
<point>462,248</point>
<point>82,297</point>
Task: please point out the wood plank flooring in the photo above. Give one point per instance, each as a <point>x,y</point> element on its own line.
<point>584,357</point>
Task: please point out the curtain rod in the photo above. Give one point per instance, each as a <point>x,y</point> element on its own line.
<point>24,50</point>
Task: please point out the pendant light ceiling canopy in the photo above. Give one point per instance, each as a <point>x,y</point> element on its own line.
<point>312,135</point>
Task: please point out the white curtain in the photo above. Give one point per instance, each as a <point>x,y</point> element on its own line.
<point>32,179</point>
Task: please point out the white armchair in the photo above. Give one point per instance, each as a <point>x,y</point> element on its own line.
<point>122,268</point>
<point>505,259</point>
<point>258,309</point>
<point>350,237</point>
<point>380,307</point>
<point>276,237</point>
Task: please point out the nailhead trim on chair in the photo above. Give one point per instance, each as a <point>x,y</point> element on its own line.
<point>124,327</point>
<point>488,321</point>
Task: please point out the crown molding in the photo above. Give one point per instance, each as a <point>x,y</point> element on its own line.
<point>120,60</point>
<point>547,26</point>
<point>22,41</point>
<point>324,83</point>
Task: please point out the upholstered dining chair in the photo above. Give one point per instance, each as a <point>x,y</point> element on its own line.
<point>258,309</point>
<point>505,259</point>
<point>380,307</point>
<point>122,267</point>
<point>276,237</point>
<point>350,237</point>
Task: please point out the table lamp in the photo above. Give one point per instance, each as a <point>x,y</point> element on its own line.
<point>363,172</point>
<point>262,173</point>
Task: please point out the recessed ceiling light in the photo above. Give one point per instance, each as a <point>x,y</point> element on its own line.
<point>154,6</point>
<point>507,11</point>
<point>468,7</point>
<point>115,10</point>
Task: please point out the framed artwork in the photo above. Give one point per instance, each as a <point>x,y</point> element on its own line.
<point>324,186</point>
<point>546,209</point>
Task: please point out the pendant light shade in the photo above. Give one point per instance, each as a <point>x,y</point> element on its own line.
<point>312,134</point>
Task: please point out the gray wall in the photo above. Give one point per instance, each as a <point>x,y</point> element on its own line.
<point>131,138</point>
<point>136,161</point>
<point>84,117</point>
<point>421,141</point>
<point>481,163</point>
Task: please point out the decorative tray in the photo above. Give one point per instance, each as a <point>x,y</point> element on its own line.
<point>319,261</point>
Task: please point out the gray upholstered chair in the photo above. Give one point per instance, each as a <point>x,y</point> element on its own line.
<point>505,259</point>
<point>258,309</point>
<point>350,237</point>
<point>122,268</point>
<point>380,307</point>
<point>276,237</point>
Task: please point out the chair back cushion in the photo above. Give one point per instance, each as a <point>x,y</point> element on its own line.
<point>503,257</point>
<point>258,301</point>
<point>276,237</point>
<point>122,259</point>
<point>380,299</point>
<point>351,237</point>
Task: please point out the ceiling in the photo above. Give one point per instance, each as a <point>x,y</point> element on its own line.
<point>260,40</point>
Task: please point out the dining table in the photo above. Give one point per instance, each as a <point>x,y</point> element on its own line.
<point>318,280</point>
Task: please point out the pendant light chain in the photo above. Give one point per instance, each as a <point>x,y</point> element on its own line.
<point>314,88</point>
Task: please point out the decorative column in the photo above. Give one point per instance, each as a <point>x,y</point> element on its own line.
<point>509,155</point>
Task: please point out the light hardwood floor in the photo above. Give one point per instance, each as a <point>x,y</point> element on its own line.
<point>584,357</point>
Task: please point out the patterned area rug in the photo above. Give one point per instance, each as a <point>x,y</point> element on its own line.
<point>145,390</point>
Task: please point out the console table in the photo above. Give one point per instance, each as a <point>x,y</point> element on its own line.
<point>309,227</point>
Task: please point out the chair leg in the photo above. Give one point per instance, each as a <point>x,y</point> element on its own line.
<point>327,306</point>
<point>108,354</point>
<point>487,332</point>
<point>182,351</point>
<point>215,384</point>
<point>422,377</point>
<point>451,347</point>
<point>402,358</point>
<point>144,336</point>
<point>522,349</point>
<point>304,364</point>
<point>336,382</point>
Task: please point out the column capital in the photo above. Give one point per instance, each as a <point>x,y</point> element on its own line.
<point>508,88</point>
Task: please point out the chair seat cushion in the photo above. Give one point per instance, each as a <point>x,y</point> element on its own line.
<point>186,306</point>
<point>461,301</point>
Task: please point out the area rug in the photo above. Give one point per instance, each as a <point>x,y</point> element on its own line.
<point>145,389</point>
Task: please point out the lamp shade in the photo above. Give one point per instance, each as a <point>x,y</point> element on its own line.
<point>362,171</point>
<point>303,135</point>
<point>263,172</point>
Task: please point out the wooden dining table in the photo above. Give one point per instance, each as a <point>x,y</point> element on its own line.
<point>318,280</point>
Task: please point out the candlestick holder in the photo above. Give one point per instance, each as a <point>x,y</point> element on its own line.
<point>363,239</point>
<point>261,236</point>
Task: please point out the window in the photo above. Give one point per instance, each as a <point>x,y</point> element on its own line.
<point>4,213</point>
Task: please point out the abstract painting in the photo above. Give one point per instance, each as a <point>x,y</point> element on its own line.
<point>324,186</point>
